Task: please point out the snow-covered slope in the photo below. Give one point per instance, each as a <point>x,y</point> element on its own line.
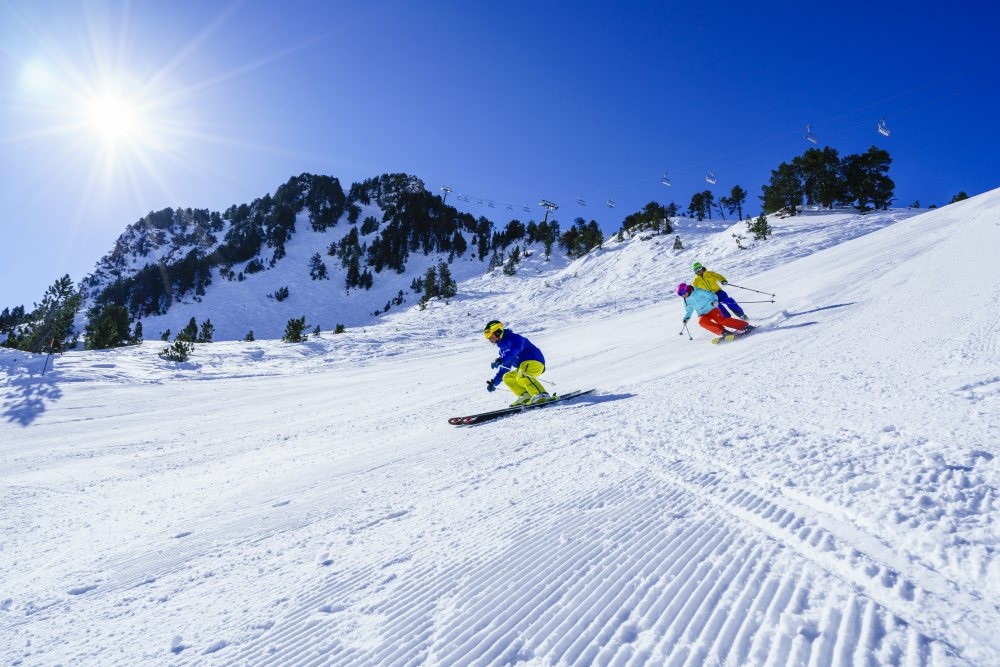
<point>823,492</point>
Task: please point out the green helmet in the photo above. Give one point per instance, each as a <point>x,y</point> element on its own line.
<point>696,267</point>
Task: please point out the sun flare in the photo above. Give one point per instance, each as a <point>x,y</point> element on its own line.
<point>112,116</point>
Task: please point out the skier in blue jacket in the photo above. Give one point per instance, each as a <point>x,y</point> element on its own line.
<point>519,364</point>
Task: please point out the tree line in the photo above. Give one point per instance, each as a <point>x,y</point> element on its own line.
<point>413,220</point>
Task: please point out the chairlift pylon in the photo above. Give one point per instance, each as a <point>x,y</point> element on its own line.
<point>549,207</point>
<point>809,135</point>
<point>710,177</point>
<point>882,129</point>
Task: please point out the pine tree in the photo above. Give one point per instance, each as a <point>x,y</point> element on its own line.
<point>735,201</point>
<point>447,287</point>
<point>49,328</point>
<point>431,289</point>
<point>510,266</point>
<point>207,330</point>
<point>821,179</point>
<point>107,328</point>
<point>137,334</point>
<point>293,330</point>
<point>759,228</point>
<point>317,269</point>
<point>866,179</point>
<point>784,191</point>
<point>180,351</point>
<point>190,332</point>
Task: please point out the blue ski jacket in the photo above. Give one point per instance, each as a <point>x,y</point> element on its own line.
<point>515,350</point>
<point>700,301</point>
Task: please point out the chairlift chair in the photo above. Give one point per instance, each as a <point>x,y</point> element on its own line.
<point>611,203</point>
<point>809,135</point>
<point>580,201</point>
<point>882,129</point>
<point>665,180</point>
<point>710,177</point>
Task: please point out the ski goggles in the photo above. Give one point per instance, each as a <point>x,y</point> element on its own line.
<point>495,329</point>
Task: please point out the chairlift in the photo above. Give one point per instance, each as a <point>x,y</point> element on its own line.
<point>549,207</point>
<point>665,180</point>
<point>510,208</point>
<point>809,135</point>
<point>611,203</point>
<point>490,204</point>
<point>710,177</point>
<point>882,129</point>
<point>526,209</point>
<point>580,201</point>
<point>480,202</point>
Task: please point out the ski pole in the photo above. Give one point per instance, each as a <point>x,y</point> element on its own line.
<point>764,301</point>
<point>690,337</point>
<point>750,289</point>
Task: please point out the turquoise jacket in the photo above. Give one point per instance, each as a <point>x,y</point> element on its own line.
<point>700,301</point>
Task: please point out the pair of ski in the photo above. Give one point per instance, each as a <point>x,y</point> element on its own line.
<point>481,417</point>
<point>730,337</point>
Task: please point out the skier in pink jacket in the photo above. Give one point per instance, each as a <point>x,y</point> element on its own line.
<point>705,303</point>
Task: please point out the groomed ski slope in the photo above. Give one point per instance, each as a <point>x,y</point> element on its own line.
<point>823,492</point>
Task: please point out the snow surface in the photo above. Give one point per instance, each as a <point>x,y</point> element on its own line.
<point>823,492</point>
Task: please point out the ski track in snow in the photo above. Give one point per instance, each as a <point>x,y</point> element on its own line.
<point>791,500</point>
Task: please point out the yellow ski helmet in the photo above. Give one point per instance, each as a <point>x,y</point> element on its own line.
<point>492,327</point>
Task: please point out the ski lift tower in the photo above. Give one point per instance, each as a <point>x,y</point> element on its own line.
<point>445,189</point>
<point>549,207</point>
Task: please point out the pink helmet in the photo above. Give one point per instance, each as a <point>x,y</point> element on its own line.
<point>682,289</point>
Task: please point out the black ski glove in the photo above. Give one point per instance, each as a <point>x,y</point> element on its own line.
<point>490,386</point>
<point>496,363</point>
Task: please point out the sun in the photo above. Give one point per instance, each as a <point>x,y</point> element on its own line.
<point>112,117</point>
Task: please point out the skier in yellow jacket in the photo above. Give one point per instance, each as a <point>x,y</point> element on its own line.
<point>712,281</point>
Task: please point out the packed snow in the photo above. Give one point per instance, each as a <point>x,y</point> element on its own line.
<point>822,492</point>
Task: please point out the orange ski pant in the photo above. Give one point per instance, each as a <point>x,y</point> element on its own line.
<point>714,321</point>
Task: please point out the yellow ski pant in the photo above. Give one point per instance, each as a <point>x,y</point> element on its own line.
<point>523,379</point>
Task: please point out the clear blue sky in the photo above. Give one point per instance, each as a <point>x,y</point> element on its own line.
<point>109,110</point>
